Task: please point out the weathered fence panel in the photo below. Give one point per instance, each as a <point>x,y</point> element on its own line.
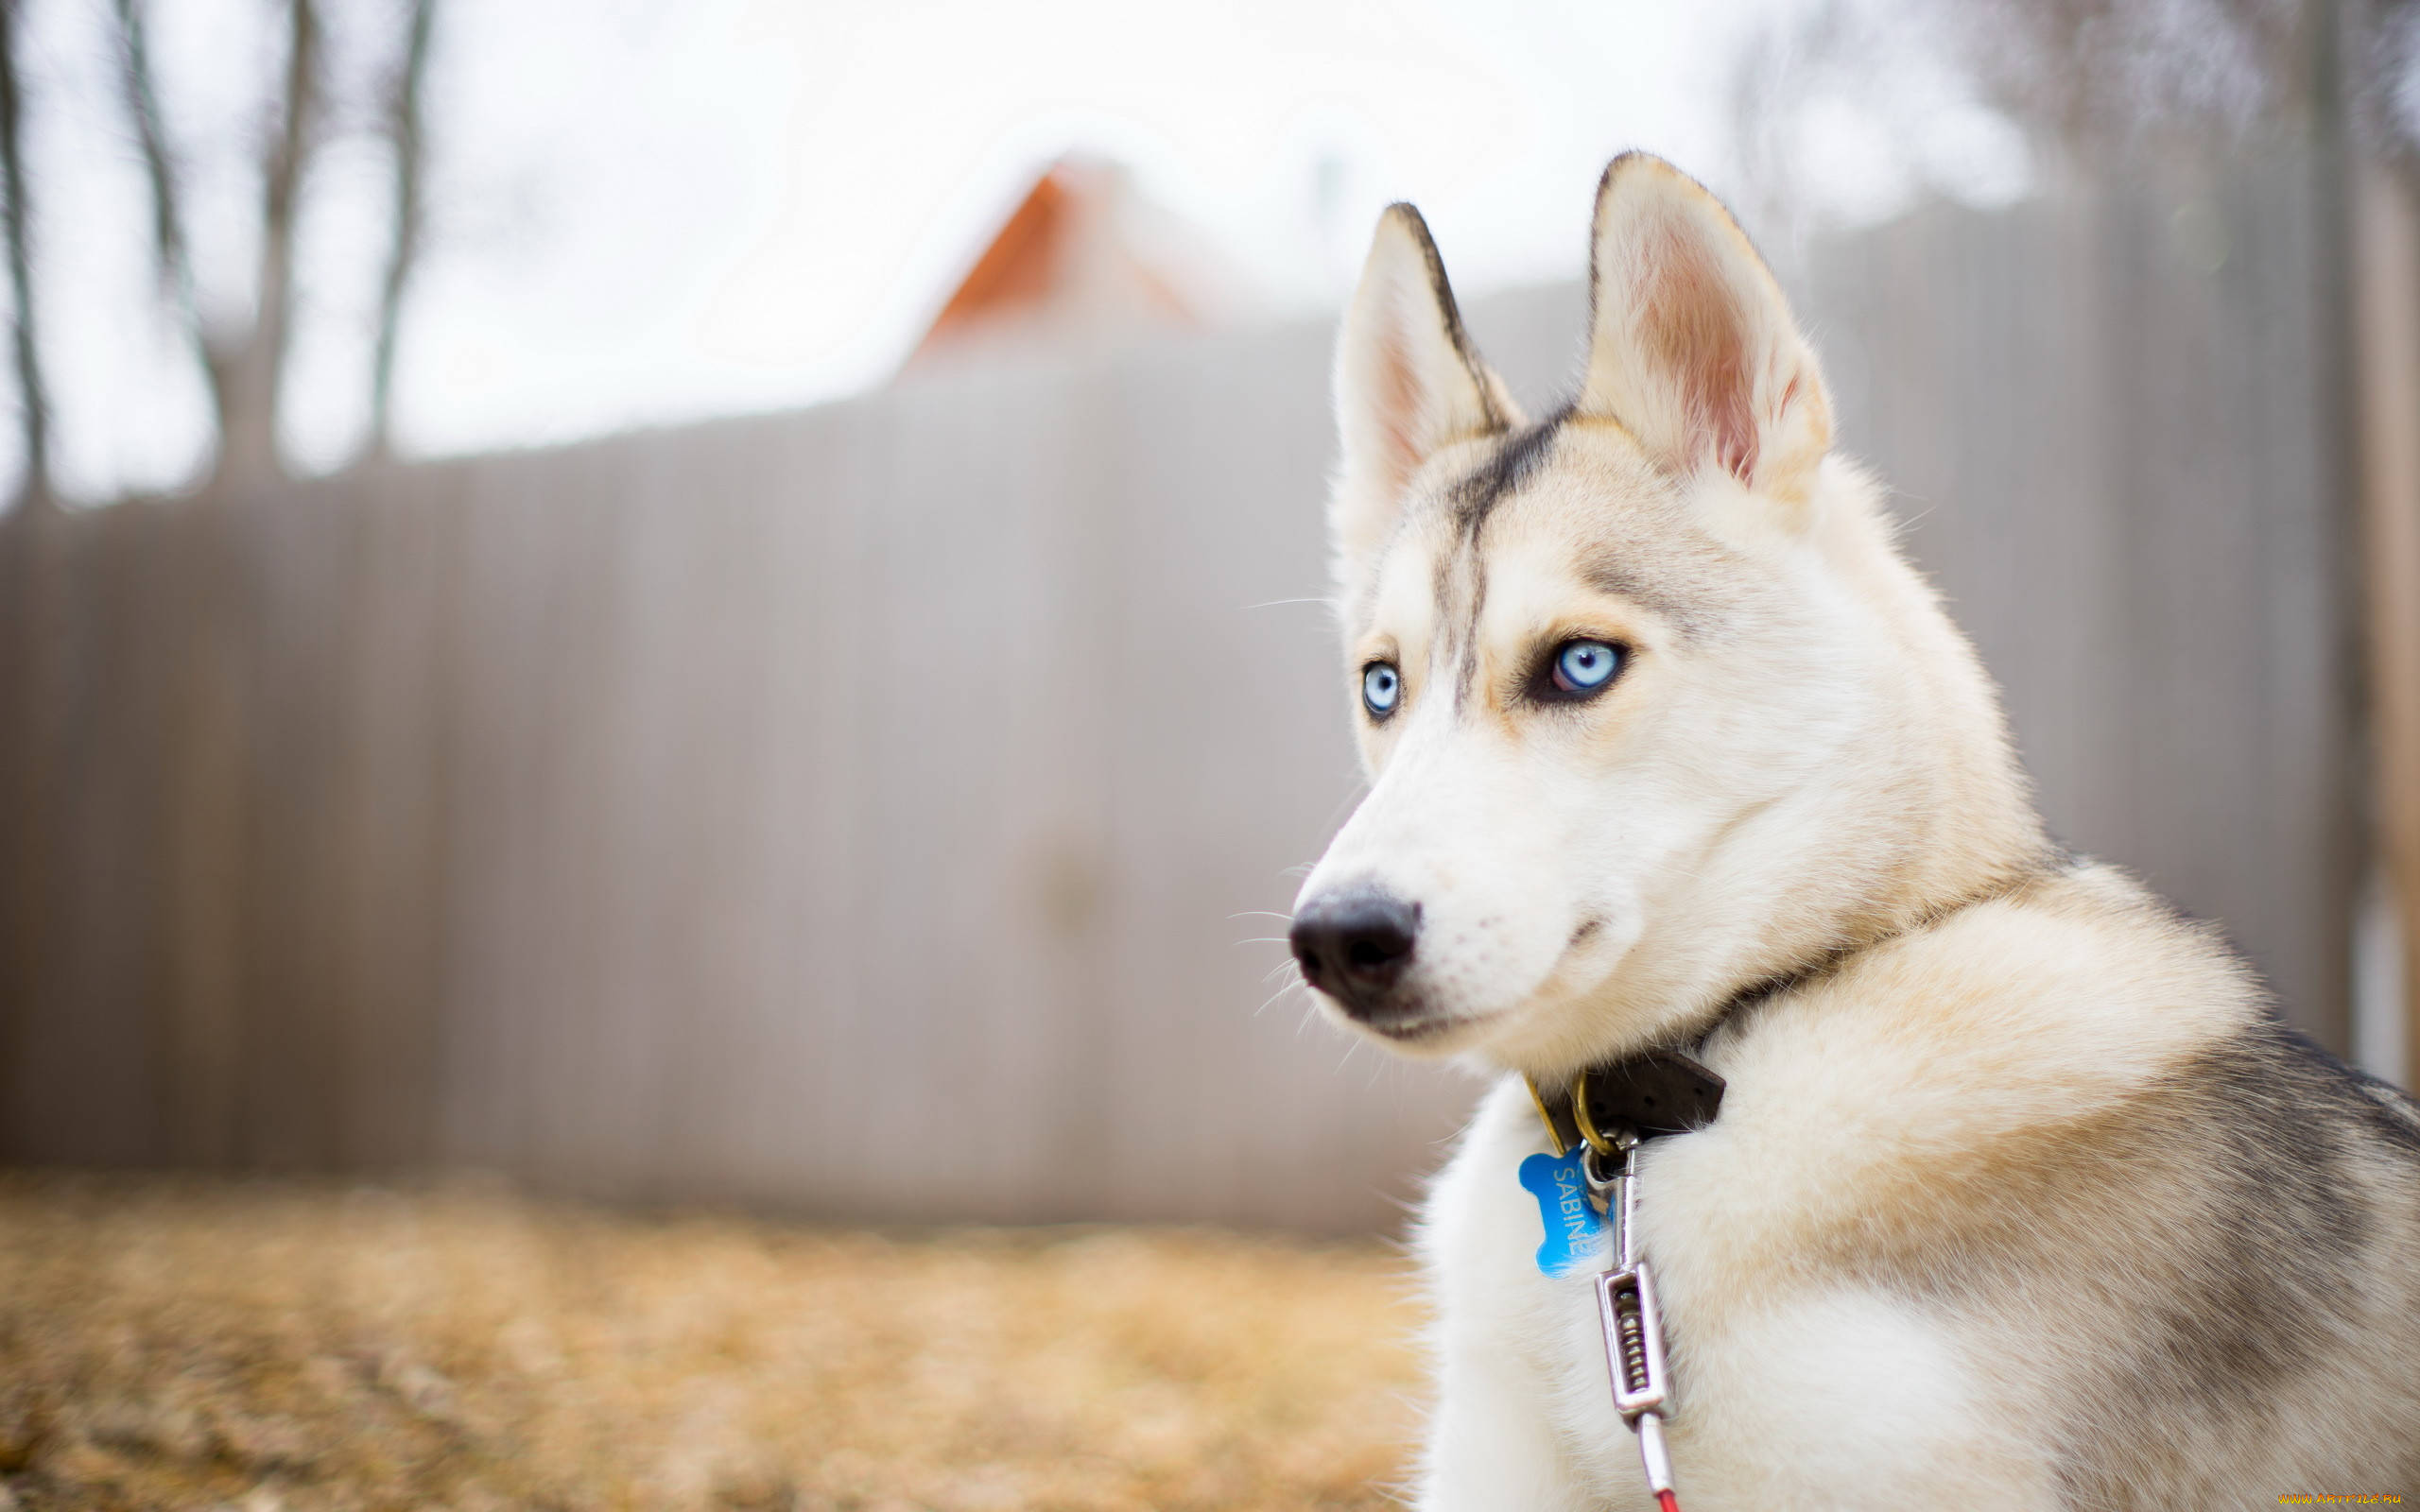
<point>883,812</point>
<point>2116,423</point>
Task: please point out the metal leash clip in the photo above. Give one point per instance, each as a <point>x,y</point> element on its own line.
<point>1626,1309</point>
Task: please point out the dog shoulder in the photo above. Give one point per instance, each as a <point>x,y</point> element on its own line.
<point>2070,1106</point>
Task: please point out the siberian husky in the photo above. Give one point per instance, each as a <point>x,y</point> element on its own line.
<point>2017,1196</point>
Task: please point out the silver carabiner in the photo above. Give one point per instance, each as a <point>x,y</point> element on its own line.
<point>1634,1341</point>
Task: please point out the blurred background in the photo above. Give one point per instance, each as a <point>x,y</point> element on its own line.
<point>723,602</point>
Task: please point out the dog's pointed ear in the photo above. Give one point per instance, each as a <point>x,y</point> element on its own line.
<point>1691,346</point>
<point>1407,381</point>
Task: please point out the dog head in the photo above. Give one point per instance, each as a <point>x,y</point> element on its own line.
<point>1651,708</point>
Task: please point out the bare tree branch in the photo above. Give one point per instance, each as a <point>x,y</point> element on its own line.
<point>34,399</point>
<point>409,153</point>
<point>169,248</point>
<point>247,440</point>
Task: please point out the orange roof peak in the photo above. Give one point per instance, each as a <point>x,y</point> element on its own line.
<point>1085,260</point>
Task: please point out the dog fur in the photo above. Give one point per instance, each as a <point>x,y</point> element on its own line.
<point>2020,1197</point>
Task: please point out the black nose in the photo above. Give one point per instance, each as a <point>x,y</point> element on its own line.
<point>1355,945</point>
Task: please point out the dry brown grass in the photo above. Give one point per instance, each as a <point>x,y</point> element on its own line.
<point>197,1344</point>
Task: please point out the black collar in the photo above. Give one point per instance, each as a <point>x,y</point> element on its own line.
<point>1650,1093</point>
<point>1665,1090</point>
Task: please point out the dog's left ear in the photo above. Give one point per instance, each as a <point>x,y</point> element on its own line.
<point>1691,346</point>
<point>1407,382</point>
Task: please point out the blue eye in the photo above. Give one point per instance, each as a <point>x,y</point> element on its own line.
<point>1381,689</point>
<point>1583,666</point>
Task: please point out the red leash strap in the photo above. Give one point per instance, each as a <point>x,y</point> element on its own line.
<point>1649,1426</point>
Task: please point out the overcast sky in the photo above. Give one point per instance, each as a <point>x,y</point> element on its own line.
<point>645,212</point>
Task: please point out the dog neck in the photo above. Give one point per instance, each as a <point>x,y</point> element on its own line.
<point>1662,1088</point>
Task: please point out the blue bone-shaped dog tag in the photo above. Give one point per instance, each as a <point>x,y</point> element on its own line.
<point>1573,1226</point>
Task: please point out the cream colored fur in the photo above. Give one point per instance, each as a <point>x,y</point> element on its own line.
<point>1898,1267</point>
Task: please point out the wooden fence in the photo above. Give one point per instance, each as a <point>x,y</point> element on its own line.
<point>883,810</point>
